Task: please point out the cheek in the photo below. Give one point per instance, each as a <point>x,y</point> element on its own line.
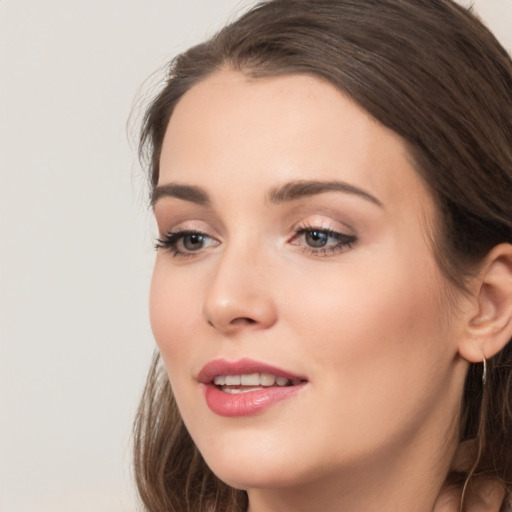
<point>173,314</point>
<point>376,347</point>
<point>376,328</point>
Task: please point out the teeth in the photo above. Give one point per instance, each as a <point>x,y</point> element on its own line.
<point>253,379</point>
<point>282,381</point>
<point>238,391</point>
<point>267,379</point>
<point>250,380</point>
<point>232,380</point>
<point>219,380</point>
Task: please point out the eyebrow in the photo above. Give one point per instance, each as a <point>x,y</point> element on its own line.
<point>185,192</point>
<point>288,192</point>
<point>304,188</point>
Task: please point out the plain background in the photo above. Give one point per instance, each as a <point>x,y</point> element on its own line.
<point>76,237</point>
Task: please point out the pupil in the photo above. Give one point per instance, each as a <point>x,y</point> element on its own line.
<point>316,238</point>
<point>193,242</point>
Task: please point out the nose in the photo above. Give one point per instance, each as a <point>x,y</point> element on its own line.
<point>239,297</point>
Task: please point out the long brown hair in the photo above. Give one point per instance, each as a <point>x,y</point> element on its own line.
<point>430,71</point>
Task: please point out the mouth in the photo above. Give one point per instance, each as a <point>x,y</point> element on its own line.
<point>245,383</point>
<point>246,387</point>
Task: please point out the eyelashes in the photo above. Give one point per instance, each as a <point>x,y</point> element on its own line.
<point>185,242</point>
<point>318,241</point>
<point>314,241</point>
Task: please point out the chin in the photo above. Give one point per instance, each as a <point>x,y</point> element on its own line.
<point>259,463</point>
<point>246,467</point>
<point>257,476</point>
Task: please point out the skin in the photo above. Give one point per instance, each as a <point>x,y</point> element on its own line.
<point>371,324</point>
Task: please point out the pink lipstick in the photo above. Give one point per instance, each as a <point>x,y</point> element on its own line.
<point>246,387</point>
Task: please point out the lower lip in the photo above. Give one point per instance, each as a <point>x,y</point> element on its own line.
<point>246,404</point>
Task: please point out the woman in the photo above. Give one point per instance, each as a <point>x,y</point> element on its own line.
<point>332,293</point>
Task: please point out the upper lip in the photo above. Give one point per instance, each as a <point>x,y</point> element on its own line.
<point>241,367</point>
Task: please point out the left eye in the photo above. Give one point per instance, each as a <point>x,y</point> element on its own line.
<point>315,238</point>
<point>322,241</point>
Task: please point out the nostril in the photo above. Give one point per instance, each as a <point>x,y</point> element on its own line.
<point>236,322</point>
<point>243,320</point>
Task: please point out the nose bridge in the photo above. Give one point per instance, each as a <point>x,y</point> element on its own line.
<point>238,295</point>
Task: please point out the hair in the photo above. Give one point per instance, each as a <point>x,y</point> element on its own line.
<point>433,73</point>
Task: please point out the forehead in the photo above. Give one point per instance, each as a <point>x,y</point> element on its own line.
<point>237,129</point>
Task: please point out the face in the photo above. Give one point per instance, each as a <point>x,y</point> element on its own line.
<point>295,299</point>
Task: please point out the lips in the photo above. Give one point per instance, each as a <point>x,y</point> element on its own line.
<point>246,387</point>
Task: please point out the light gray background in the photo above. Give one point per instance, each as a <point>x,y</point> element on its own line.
<point>76,238</point>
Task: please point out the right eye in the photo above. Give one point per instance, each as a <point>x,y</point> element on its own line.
<point>185,243</point>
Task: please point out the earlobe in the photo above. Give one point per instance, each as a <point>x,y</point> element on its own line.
<point>489,328</point>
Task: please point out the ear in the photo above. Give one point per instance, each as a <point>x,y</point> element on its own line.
<point>489,326</point>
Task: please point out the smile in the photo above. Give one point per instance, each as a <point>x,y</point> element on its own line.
<point>250,382</point>
<point>246,387</point>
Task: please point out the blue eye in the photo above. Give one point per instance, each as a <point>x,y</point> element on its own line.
<point>185,243</point>
<point>322,242</point>
<point>315,238</point>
